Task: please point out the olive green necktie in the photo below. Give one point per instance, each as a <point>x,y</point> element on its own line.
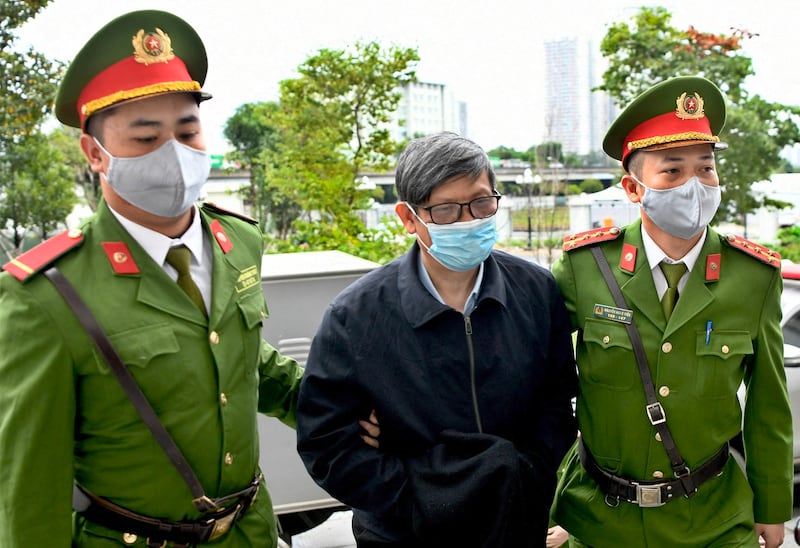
<point>673,273</point>
<point>180,258</point>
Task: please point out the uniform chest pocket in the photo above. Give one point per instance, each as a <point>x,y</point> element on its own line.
<point>720,368</point>
<point>608,358</point>
<point>153,355</point>
<point>253,309</point>
<point>138,347</point>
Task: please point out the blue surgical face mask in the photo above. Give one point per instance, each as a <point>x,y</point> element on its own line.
<point>460,246</point>
<point>164,182</point>
<point>682,211</point>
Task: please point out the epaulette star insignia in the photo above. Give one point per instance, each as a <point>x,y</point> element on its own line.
<point>763,254</point>
<point>575,241</point>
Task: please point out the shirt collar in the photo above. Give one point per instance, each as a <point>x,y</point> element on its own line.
<point>156,244</point>
<point>426,281</point>
<point>655,254</point>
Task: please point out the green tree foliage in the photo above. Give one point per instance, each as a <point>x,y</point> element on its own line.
<point>32,196</point>
<point>308,149</point>
<point>39,194</point>
<point>591,185</point>
<point>253,131</point>
<point>650,50</point>
<point>28,84</point>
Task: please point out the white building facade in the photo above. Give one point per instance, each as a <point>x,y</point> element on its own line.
<point>575,116</point>
<point>427,108</point>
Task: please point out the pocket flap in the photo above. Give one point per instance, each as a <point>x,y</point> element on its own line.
<point>724,344</point>
<point>139,346</point>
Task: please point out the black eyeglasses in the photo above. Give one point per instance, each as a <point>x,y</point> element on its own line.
<point>450,212</point>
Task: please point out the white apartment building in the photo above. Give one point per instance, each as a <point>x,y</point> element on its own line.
<point>575,116</point>
<point>427,108</point>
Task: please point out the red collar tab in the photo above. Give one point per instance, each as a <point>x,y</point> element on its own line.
<point>575,241</point>
<point>120,258</point>
<point>763,254</point>
<point>627,261</point>
<point>34,260</point>
<point>222,239</point>
<point>713,264</point>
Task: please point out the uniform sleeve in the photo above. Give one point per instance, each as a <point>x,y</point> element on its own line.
<point>562,270</point>
<point>768,418</point>
<point>37,422</point>
<point>328,434</point>
<point>279,385</point>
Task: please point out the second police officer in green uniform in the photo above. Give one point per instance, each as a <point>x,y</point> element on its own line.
<point>654,470</point>
<point>198,356</point>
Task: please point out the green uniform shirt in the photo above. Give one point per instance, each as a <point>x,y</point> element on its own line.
<point>696,381</point>
<point>64,416</point>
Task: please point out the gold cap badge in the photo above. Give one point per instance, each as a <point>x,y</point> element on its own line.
<point>690,107</point>
<point>152,47</point>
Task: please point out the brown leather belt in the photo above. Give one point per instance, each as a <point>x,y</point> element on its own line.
<point>648,494</point>
<point>159,532</point>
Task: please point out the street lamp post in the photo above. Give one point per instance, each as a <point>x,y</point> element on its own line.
<point>527,179</point>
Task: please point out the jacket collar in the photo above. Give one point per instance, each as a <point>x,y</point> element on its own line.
<point>420,307</point>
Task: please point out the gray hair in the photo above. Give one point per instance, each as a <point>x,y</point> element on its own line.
<point>430,161</point>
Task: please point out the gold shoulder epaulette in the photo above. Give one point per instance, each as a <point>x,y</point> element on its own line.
<point>36,259</point>
<point>575,241</point>
<point>214,208</point>
<point>763,254</point>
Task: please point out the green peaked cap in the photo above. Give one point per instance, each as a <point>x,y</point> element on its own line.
<point>680,111</point>
<point>138,54</point>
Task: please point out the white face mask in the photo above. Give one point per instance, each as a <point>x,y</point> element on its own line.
<point>164,182</point>
<point>682,211</point>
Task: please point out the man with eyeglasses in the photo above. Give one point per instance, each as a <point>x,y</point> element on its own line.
<point>463,352</point>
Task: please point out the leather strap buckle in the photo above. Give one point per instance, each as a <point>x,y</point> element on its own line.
<point>205,504</point>
<point>223,524</point>
<point>649,496</point>
<point>656,414</point>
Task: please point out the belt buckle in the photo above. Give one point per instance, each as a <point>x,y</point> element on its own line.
<point>649,496</point>
<point>223,524</point>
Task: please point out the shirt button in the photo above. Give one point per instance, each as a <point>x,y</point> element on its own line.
<point>213,337</point>
<point>228,459</point>
<point>658,436</point>
<point>658,474</point>
<point>666,348</point>
<point>725,349</point>
<point>664,391</point>
<point>223,399</point>
<point>606,339</point>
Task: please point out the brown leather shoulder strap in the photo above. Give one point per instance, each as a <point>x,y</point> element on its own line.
<point>132,390</point>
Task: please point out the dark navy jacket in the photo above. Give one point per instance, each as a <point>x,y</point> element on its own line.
<point>386,343</point>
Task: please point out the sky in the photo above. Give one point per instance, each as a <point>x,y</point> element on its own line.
<point>489,53</point>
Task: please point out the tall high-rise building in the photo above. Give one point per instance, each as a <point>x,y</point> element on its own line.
<point>427,108</point>
<point>575,116</point>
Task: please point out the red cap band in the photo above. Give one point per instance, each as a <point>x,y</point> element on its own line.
<point>667,128</point>
<point>140,80</point>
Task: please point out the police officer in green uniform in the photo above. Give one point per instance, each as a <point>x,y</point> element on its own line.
<point>655,471</point>
<point>194,348</point>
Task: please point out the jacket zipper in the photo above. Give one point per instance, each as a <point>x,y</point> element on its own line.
<point>468,329</point>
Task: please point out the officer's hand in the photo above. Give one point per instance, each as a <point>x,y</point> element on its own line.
<point>556,536</point>
<point>771,533</point>
<point>371,429</point>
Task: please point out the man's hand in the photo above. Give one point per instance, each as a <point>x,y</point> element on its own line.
<point>372,430</point>
<point>771,533</point>
<point>556,536</point>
